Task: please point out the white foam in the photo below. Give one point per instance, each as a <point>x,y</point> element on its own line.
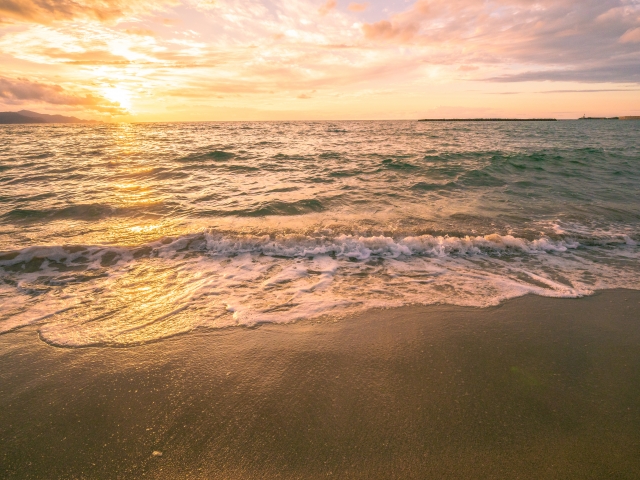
<point>212,281</point>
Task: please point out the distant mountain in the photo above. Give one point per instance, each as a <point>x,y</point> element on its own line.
<point>13,117</point>
<point>27,116</point>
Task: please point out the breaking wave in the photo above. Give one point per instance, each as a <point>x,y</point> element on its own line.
<point>110,295</point>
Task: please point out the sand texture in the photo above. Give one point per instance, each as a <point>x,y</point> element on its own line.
<point>536,388</point>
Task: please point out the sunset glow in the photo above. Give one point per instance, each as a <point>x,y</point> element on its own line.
<point>160,60</point>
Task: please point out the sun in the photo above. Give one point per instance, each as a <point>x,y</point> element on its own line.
<point>119,95</point>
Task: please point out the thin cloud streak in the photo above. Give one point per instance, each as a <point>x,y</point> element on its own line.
<point>599,90</point>
<point>613,73</point>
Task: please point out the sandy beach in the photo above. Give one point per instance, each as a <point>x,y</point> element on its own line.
<point>534,388</point>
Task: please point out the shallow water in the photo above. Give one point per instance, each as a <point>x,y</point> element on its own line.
<point>120,234</point>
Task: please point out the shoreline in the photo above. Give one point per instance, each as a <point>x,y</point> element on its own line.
<point>325,318</point>
<point>536,387</point>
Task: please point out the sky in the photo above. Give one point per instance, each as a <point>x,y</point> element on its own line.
<point>198,60</point>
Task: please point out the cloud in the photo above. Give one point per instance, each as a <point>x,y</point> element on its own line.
<point>631,36</point>
<point>143,32</point>
<point>358,7</point>
<point>547,39</point>
<point>596,90</point>
<point>613,72</point>
<point>204,89</point>
<point>86,44</point>
<point>385,30</point>
<point>19,91</point>
<point>206,4</point>
<point>563,91</point>
<point>50,11</point>
<point>447,111</point>
<point>327,7</point>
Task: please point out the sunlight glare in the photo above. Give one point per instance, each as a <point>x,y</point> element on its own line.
<point>118,94</point>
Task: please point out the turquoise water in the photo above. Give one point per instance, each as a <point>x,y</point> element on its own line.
<point>120,234</point>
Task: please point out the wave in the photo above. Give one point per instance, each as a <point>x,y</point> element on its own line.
<point>273,208</point>
<point>345,173</point>
<point>553,155</point>
<point>343,246</point>
<point>91,211</point>
<point>428,187</point>
<point>479,178</point>
<point>397,165</point>
<point>216,155</point>
<point>81,295</point>
<point>363,248</point>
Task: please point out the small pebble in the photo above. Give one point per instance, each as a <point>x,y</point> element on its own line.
<point>156,453</point>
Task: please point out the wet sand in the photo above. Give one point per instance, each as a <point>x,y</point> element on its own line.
<point>535,388</point>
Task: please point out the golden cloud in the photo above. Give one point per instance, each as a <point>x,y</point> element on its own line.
<point>50,11</point>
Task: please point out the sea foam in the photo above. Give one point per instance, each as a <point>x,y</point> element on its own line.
<point>107,295</point>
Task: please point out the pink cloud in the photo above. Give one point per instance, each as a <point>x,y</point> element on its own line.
<point>385,30</point>
<point>631,36</point>
<point>566,34</point>
<point>358,7</point>
<point>327,7</point>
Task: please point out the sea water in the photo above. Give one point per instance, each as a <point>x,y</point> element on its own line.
<point>117,234</point>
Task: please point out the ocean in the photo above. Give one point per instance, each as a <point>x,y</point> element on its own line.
<point>120,234</point>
